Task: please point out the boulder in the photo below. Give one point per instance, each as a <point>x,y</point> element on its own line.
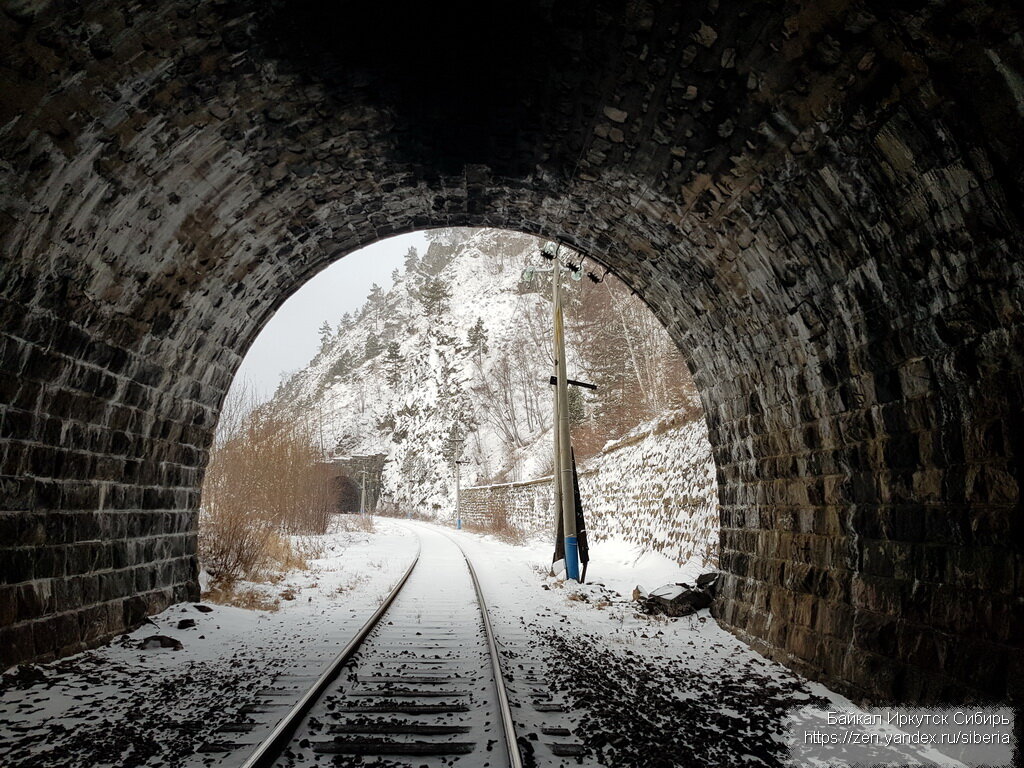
<point>674,600</point>
<point>708,581</point>
<point>670,591</point>
<point>160,641</point>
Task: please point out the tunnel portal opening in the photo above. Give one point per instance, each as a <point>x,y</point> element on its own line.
<point>430,397</point>
<point>822,206</point>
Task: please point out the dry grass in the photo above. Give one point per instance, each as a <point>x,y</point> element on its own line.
<point>265,484</point>
<point>498,522</point>
<point>287,555</point>
<point>224,593</point>
<point>363,523</point>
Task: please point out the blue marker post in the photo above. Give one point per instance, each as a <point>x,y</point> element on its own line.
<point>572,558</point>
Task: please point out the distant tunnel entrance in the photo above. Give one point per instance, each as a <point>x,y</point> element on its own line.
<point>349,476</point>
<point>347,495</point>
<point>823,208</point>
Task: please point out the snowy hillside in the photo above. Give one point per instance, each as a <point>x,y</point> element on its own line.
<point>453,362</point>
<point>406,378</point>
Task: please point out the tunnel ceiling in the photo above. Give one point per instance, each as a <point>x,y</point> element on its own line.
<point>820,200</point>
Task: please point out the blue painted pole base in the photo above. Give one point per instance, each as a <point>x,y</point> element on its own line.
<point>458,524</point>
<point>572,559</point>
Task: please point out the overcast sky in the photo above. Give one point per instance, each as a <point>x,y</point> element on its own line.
<point>290,339</point>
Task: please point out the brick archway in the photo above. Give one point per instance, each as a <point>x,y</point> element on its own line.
<point>823,207</point>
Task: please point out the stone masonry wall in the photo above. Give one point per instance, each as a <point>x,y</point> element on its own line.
<point>823,203</point>
<point>655,488</point>
<point>527,506</point>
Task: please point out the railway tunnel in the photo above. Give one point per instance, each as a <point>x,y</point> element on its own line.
<point>821,202</point>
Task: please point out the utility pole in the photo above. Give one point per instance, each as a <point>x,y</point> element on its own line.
<point>565,497</point>
<point>556,475</point>
<point>458,505</point>
<point>562,456</point>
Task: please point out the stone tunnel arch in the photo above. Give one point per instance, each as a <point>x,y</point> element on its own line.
<point>823,206</point>
<point>348,481</point>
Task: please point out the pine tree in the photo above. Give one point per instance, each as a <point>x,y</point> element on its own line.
<point>477,339</point>
<point>342,364</point>
<point>325,335</point>
<point>393,362</point>
<point>372,348</point>
<point>412,260</point>
<point>434,295</point>
<point>373,309</point>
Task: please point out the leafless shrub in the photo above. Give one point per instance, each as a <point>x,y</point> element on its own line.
<point>265,485</point>
<point>356,522</point>
<point>387,507</point>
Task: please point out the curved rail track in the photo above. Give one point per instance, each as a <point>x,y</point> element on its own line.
<point>420,684</point>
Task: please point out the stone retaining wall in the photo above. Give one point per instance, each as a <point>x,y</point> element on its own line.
<point>655,489</point>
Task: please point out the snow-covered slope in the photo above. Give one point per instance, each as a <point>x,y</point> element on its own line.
<point>408,378</point>
<point>454,361</point>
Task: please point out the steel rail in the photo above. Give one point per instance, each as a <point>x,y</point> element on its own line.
<point>515,760</point>
<point>271,748</point>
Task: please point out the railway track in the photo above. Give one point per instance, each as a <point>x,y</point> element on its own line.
<point>420,684</point>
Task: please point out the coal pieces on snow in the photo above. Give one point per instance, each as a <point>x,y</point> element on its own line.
<point>677,599</point>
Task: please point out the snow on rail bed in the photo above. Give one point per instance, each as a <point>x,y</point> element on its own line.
<point>128,705</point>
<point>642,690</point>
<point>632,689</point>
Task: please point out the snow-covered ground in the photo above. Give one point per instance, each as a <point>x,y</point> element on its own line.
<point>642,690</point>
<point>125,705</point>
<point>631,689</point>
